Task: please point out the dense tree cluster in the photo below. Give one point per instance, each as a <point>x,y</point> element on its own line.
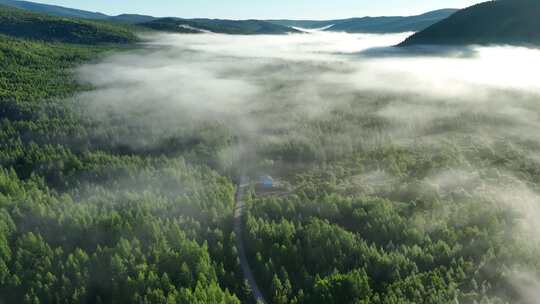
<point>340,250</point>
<point>489,22</point>
<point>116,245</point>
<point>33,71</point>
<point>86,220</point>
<point>24,24</point>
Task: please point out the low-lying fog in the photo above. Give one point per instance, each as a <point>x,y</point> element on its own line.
<point>256,84</point>
<point>211,74</point>
<point>336,94</point>
<point>280,90</point>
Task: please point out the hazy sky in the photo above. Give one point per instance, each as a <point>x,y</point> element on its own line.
<point>264,9</point>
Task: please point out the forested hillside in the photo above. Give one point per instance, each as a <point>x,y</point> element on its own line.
<point>53,10</point>
<point>23,24</point>
<point>33,71</point>
<point>391,24</point>
<point>492,22</point>
<point>234,27</point>
<point>388,24</point>
<point>84,221</point>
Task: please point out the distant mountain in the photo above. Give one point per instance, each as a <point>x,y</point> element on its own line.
<point>24,24</point>
<point>493,22</point>
<point>392,24</point>
<point>53,10</point>
<point>132,18</point>
<point>247,27</point>
<point>374,24</point>
<point>306,24</point>
<point>60,11</point>
<point>178,25</point>
<point>238,27</point>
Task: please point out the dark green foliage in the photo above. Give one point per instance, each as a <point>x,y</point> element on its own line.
<point>342,288</point>
<point>82,220</point>
<point>237,27</point>
<point>493,22</point>
<point>337,250</point>
<point>59,11</point>
<point>114,246</point>
<point>53,10</point>
<point>19,23</point>
<point>32,71</point>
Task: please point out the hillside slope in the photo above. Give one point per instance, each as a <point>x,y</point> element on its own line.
<point>24,24</point>
<point>238,27</point>
<point>493,22</point>
<point>53,10</point>
<point>44,135</point>
<point>392,24</point>
<point>32,71</point>
<point>60,11</point>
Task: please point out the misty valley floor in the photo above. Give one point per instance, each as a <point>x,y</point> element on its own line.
<point>403,175</point>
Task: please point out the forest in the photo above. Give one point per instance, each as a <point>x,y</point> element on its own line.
<point>120,162</point>
<point>75,227</point>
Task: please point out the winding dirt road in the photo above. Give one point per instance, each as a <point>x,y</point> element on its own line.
<point>238,213</point>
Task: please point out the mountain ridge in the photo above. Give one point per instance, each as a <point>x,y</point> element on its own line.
<point>24,24</point>
<point>384,24</point>
<point>222,26</point>
<point>492,22</point>
<point>55,10</point>
<point>61,11</point>
<point>380,24</point>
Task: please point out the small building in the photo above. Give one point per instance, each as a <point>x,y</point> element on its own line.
<point>266,181</point>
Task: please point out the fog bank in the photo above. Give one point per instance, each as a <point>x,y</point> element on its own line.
<point>327,96</point>
<point>279,91</point>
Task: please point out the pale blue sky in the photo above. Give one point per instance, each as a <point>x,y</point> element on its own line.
<point>264,9</point>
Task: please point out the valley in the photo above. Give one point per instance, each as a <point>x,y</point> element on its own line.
<point>177,160</point>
